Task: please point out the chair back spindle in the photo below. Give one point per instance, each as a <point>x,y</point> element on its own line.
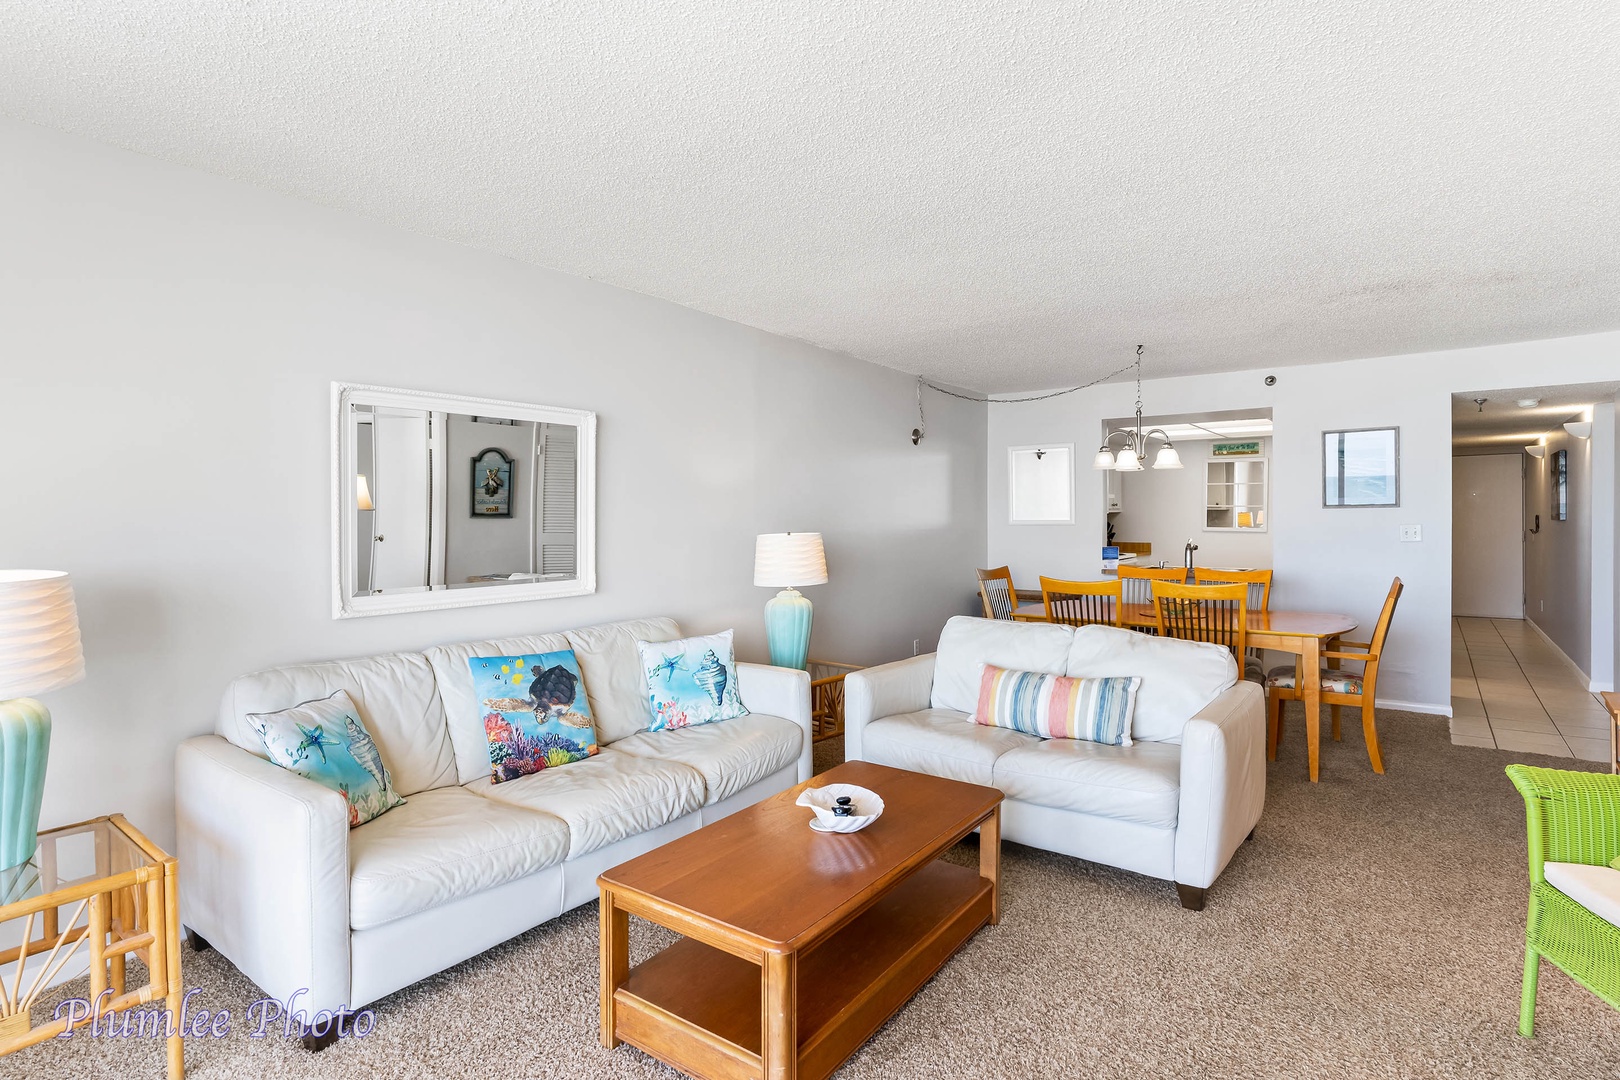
<point>1217,613</point>
<point>997,593</point>
<point>1137,581</point>
<point>1082,603</point>
<point>1258,581</point>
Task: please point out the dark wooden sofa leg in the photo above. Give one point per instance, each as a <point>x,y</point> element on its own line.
<point>1246,839</point>
<point>197,942</point>
<point>1192,897</point>
<point>316,1042</point>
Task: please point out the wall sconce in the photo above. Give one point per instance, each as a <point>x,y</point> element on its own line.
<point>1536,450</point>
<point>1581,429</point>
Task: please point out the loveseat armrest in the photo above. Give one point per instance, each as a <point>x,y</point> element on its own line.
<point>1223,782</point>
<point>901,687</point>
<point>784,692</point>
<point>264,870</point>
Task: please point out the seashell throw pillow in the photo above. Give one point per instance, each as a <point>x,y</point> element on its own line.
<point>536,714</point>
<point>325,741</point>
<point>691,681</point>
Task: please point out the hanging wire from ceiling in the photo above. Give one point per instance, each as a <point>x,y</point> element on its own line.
<point>919,432</point>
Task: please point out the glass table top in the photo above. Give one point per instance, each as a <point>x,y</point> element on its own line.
<point>72,854</point>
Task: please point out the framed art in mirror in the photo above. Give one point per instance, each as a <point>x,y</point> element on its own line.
<point>404,465</point>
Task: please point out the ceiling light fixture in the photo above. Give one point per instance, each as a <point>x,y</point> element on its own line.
<point>1536,450</point>
<point>1135,449</point>
<point>1528,402</point>
<point>1480,401</point>
<point>1581,429</point>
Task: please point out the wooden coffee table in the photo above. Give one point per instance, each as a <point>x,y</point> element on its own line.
<point>797,945</point>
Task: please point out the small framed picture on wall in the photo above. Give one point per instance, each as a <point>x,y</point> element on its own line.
<point>1560,485</point>
<point>492,484</point>
<point>1361,467</point>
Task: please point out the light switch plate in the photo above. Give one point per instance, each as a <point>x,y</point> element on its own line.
<point>1411,534</point>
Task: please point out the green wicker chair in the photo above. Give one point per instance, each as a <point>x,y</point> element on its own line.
<point>1570,817</point>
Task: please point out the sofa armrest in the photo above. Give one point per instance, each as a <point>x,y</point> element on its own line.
<point>901,687</point>
<point>1223,782</point>
<point>785,692</point>
<point>264,866</point>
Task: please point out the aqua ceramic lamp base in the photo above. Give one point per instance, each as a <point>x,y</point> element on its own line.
<point>787,628</point>
<point>25,739</point>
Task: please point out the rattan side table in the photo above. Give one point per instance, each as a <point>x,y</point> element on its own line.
<point>118,889</point>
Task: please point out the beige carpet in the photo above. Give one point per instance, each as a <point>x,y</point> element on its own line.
<point>1374,928</point>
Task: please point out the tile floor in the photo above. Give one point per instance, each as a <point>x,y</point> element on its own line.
<point>1510,690</point>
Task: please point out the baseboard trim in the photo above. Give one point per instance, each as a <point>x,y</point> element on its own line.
<point>1580,672</point>
<point>1416,706</point>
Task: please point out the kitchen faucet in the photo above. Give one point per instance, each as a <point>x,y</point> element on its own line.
<point>1187,552</point>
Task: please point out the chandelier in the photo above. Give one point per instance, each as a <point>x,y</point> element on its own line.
<point>1129,458</point>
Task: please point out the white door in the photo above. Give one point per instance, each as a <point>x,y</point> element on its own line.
<point>400,489</point>
<point>1487,536</point>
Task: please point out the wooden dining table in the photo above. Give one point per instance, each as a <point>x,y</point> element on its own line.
<point>1306,634</point>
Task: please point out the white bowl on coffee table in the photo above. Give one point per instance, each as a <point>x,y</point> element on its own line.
<point>868,806</point>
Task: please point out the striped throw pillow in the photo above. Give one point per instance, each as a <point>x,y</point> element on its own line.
<point>1056,707</point>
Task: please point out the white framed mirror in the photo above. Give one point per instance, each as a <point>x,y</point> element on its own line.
<point>1040,484</point>
<point>445,501</point>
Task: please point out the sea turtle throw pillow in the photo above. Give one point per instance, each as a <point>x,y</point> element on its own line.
<point>691,681</point>
<point>536,714</point>
<point>326,742</point>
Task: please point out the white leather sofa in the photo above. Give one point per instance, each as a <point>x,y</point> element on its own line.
<point>1174,805</point>
<point>273,876</point>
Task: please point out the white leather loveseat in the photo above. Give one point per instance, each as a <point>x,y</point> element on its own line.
<point>273,876</point>
<point>1175,805</point>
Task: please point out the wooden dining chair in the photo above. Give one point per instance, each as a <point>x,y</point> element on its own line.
<point>1081,603</point>
<point>1258,581</point>
<point>1218,613</point>
<point>997,592</point>
<point>1137,581</point>
<point>1339,687</point>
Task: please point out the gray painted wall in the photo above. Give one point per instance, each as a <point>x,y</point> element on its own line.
<point>163,323</point>
<point>1558,558</point>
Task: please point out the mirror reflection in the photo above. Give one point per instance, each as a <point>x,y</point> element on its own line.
<point>438,500</point>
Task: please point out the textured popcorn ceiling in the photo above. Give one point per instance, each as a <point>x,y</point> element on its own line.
<point>1004,195</point>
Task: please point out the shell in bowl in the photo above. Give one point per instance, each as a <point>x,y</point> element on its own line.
<point>868,807</point>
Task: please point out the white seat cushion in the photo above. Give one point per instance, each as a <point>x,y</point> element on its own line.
<point>604,798</point>
<point>611,665</point>
<point>940,742</point>
<point>444,844</point>
<point>1595,888</point>
<point>967,644</point>
<point>1178,677</point>
<point>1140,783</point>
<point>731,754</point>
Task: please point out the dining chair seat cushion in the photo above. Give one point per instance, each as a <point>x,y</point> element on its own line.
<point>1595,888</point>
<point>1057,707</point>
<point>1334,680</point>
<point>940,742</point>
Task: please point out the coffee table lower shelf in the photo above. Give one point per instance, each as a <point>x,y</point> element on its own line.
<point>701,1010</point>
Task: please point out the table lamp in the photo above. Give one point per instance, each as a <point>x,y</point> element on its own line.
<point>786,560</point>
<point>39,652</point>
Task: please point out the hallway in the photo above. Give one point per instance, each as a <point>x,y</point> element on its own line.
<point>1511,690</point>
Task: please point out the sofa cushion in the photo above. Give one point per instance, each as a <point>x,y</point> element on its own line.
<point>605,798</point>
<point>441,845</point>
<point>1140,783</point>
<point>1056,706</point>
<point>1178,677</point>
<point>395,696</point>
<point>535,712</point>
<point>1595,888</point>
<point>325,741</point>
<point>464,713</point>
<point>730,754</point>
<point>611,663</point>
<point>690,681</point>
<point>967,644</point>
<point>939,742</point>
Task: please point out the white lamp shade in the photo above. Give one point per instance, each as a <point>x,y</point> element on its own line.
<point>787,560</point>
<point>1128,461</point>
<point>1104,459</point>
<point>1581,429</point>
<point>1536,450</point>
<point>362,492</point>
<point>1167,458</point>
<point>39,633</point>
